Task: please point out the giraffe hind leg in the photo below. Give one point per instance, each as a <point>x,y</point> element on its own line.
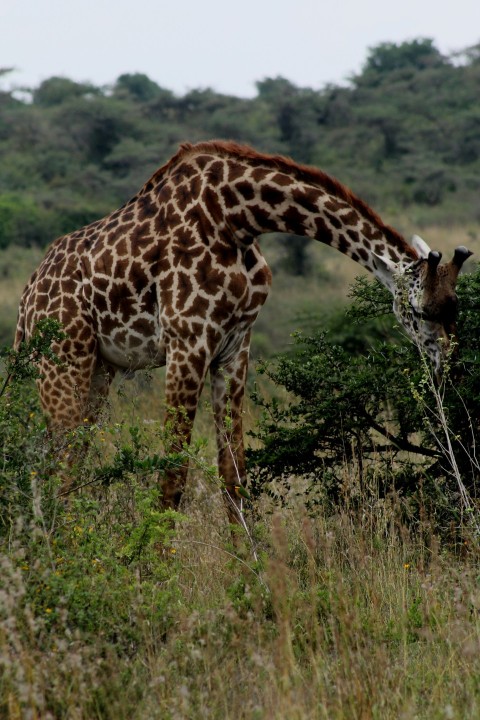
<point>71,394</point>
<point>64,392</point>
<point>228,389</point>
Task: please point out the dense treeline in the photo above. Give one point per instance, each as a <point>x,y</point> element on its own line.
<point>404,133</point>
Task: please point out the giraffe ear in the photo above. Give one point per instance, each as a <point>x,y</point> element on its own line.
<point>421,247</point>
<point>385,270</point>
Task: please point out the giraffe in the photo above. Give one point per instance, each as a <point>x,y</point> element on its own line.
<point>176,277</point>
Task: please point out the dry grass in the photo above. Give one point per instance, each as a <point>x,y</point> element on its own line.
<point>16,266</point>
<point>341,620</point>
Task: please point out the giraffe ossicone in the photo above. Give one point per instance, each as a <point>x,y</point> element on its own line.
<point>420,246</point>
<point>176,277</point>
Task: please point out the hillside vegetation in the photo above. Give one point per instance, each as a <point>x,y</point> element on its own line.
<point>355,592</point>
<point>405,135</point>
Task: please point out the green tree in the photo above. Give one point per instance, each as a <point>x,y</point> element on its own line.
<point>137,86</point>
<point>22,222</point>
<point>57,90</point>
<point>95,126</point>
<point>412,56</point>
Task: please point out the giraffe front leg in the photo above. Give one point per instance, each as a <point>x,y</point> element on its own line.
<point>228,390</point>
<point>185,377</point>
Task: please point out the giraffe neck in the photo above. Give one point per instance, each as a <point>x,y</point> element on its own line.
<point>255,194</point>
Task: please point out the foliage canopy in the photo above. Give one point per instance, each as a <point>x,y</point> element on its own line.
<point>406,131</point>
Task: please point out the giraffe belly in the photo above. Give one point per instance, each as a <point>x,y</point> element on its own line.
<point>129,351</point>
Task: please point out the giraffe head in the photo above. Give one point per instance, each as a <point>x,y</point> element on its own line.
<point>424,298</point>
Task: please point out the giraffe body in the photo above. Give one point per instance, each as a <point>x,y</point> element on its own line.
<point>176,277</point>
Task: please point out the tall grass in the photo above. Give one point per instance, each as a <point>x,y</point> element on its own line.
<point>354,624</point>
<point>105,614</point>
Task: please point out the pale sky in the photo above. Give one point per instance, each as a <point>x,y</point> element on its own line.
<point>227,46</point>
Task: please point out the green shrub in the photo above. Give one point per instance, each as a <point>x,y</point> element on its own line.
<point>370,421</point>
<point>22,221</point>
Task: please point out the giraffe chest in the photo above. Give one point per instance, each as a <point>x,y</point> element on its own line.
<point>214,306</point>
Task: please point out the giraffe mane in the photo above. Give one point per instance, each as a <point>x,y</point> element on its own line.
<point>305,173</point>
